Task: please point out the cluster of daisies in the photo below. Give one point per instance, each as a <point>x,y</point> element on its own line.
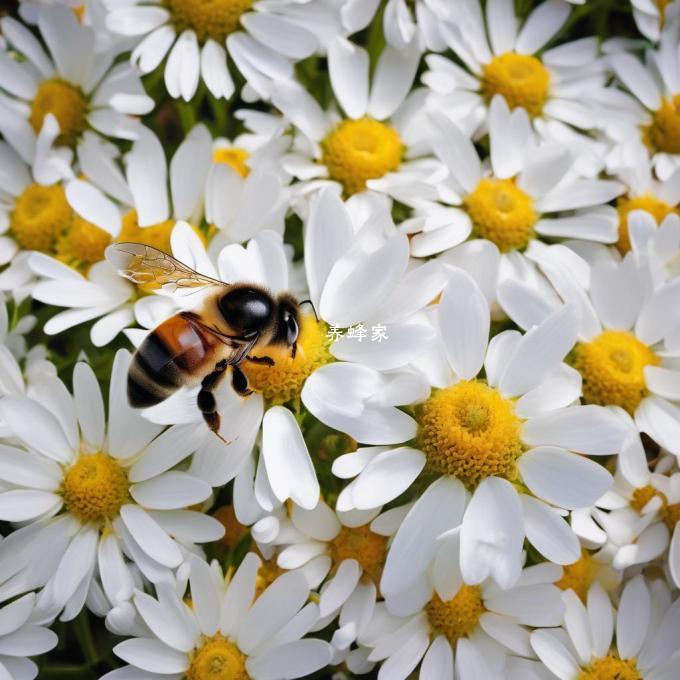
<point>470,468</point>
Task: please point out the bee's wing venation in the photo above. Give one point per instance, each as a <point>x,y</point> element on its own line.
<point>145,265</point>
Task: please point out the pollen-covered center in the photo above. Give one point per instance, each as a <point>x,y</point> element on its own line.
<point>209,19</point>
<point>363,545</point>
<point>218,658</point>
<point>234,157</point>
<point>657,208</point>
<point>83,244</point>
<point>67,103</point>
<point>358,150</point>
<point>283,381</point>
<point>471,432</point>
<point>663,134</point>
<point>579,576</point>
<point>457,617</point>
<point>501,212</point>
<point>520,78</point>
<point>610,668</point>
<point>41,214</point>
<point>95,487</point>
<point>612,367</point>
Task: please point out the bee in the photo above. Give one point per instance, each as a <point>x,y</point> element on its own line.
<point>197,347</point>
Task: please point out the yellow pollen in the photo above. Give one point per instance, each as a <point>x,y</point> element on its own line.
<point>655,206</point>
<point>579,576</point>
<point>358,150</point>
<point>218,658</point>
<point>469,431</point>
<point>520,78</point>
<point>209,19</point>
<point>663,134</point>
<point>457,617</point>
<point>95,488</point>
<point>363,545</point>
<point>268,572</point>
<point>234,157</point>
<point>283,381</point>
<point>501,212</point>
<point>612,367</point>
<point>82,245</point>
<point>66,103</point>
<point>671,515</point>
<point>41,214</point>
<point>610,668</point>
<point>642,495</point>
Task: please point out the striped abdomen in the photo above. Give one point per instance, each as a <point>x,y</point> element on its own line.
<point>178,352</point>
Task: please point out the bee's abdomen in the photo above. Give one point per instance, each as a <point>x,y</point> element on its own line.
<point>172,355</point>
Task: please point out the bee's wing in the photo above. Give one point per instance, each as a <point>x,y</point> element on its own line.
<point>155,269</point>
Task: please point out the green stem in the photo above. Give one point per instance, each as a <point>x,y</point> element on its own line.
<point>62,672</point>
<point>81,627</point>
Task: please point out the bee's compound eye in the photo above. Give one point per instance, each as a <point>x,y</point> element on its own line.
<point>292,330</point>
<point>246,309</point>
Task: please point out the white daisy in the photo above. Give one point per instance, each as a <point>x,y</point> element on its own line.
<point>87,493</point>
<point>380,141</point>
<point>73,80</point>
<point>657,249</point>
<point>652,15</point>
<point>526,192</point>
<point>645,627</point>
<point>402,24</point>
<point>556,86</point>
<point>498,456</point>
<point>22,636</point>
<point>227,630</point>
<point>480,631</point>
<point>651,111</point>
<point>622,354</point>
<point>262,40</point>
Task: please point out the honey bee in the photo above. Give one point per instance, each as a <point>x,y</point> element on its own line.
<point>199,346</point>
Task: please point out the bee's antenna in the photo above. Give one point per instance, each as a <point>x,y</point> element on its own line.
<point>311,304</point>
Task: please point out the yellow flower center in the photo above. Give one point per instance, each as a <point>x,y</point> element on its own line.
<point>663,134</point>
<point>155,235</point>
<point>655,206</point>
<point>217,659</point>
<point>209,19</point>
<point>358,150</point>
<point>469,431</point>
<point>611,668</point>
<point>612,367</point>
<point>642,495</point>
<point>41,214</point>
<point>364,546</point>
<point>234,157</point>
<point>283,381</point>
<point>579,576</point>
<point>268,572</point>
<point>671,515</point>
<point>457,617</point>
<point>66,103</point>
<point>520,78</point>
<point>83,244</point>
<point>501,212</point>
<point>95,488</point>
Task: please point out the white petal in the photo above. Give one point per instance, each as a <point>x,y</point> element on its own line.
<point>294,660</point>
<point>151,538</point>
<point>542,24</point>
<point>554,655</point>
<point>151,655</point>
<point>548,532</point>
<point>348,71</point>
<point>633,618</point>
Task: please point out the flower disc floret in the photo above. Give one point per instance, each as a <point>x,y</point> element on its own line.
<point>66,103</point>
<point>363,545</point>
<point>209,19</point>
<point>663,134</point>
<point>458,617</point>
<point>610,668</point>
<point>218,659</point>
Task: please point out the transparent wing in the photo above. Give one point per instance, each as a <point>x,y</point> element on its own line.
<point>156,270</point>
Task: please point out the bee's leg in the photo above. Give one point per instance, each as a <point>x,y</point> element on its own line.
<point>261,360</point>
<point>240,382</point>
<point>206,399</point>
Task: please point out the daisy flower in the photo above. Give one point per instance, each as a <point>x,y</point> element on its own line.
<point>621,354</point>
<point>379,140</point>
<point>645,627</point>
<point>402,24</point>
<point>480,631</point>
<point>203,40</point>
<point>22,636</point>
<point>526,191</point>
<point>226,631</point>
<point>558,85</point>
<point>657,248</point>
<point>88,492</point>
<point>652,15</point>
<point>79,85</point>
<point>651,110</point>
<point>509,462</point>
